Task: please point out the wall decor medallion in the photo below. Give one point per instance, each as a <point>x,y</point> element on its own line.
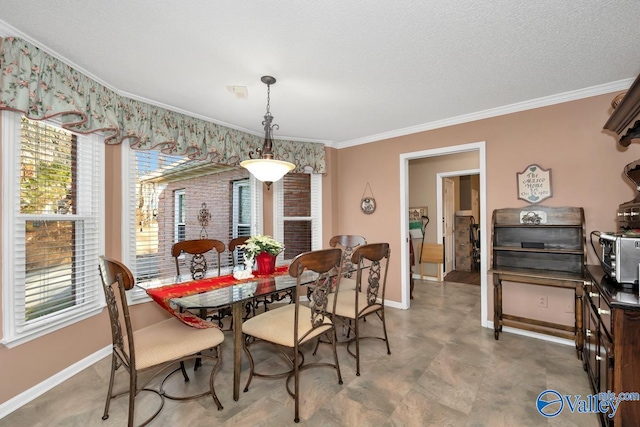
<point>368,203</point>
<point>534,184</point>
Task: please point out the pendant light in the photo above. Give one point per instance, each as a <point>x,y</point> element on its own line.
<point>266,168</point>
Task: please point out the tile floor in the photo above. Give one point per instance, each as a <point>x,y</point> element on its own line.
<point>444,370</point>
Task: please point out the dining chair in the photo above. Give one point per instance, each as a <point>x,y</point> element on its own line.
<point>347,243</point>
<point>198,249</point>
<point>157,348</point>
<point>198,267</point>
<point>291,326</point>
<point>372,262</point>
<point>253,305</point>
<point>236,253</point>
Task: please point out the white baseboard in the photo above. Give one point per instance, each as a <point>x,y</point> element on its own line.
<point>27,396</point>
<point>429,278</point>
<point>393,304</point>
<point>536,335</point>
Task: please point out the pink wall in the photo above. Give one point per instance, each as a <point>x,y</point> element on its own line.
<point>586,166</point>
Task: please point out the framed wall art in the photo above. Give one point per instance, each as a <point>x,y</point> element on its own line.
<point>534,184</point>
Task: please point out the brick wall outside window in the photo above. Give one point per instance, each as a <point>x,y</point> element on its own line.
<point>214,190</point>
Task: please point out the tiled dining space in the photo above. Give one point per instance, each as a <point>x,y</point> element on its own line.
<point>444,370</point>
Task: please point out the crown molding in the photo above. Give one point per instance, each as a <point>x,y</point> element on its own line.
<point>498,111</point>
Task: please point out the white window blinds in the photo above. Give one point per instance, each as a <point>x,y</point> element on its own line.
<point>53,217</point>
<point>298,213</point>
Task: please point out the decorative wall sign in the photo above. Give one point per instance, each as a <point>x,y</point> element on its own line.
<point>368,203</point>
<point>534,184</point>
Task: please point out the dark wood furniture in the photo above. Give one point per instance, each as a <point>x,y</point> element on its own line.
<point>549,253</point>
<point>197,249</point>
<point>612,342</point>
<point>626,109</point>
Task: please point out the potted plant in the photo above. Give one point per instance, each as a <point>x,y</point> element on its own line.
<point>264,249</point>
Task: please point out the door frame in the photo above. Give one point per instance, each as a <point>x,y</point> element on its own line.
<point>480,147</point>
<point>439,197</point>
<point>442,223</point>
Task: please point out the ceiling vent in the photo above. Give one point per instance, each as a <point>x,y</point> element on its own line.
<point>239,91</point>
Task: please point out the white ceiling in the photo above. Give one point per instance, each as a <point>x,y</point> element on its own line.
<point>348,72</point>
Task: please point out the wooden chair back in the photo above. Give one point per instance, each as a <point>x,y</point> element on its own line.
<point>325,262</point>
<point>233,245</point>
<point>197,249</point>
<point>347,242</point>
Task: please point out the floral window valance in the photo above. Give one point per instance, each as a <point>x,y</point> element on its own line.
<point>41,86</point>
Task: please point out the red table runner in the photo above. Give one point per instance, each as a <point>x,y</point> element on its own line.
<point>162,295</point>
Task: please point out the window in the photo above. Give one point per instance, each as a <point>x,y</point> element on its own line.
<point>298,213</point>
<point>241,209</point>
<point>53,219</point>
<point>166,195</point>
<point>180,215</point>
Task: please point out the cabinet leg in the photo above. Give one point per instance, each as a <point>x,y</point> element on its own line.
<point>579,305</point>
<point>497,305</point>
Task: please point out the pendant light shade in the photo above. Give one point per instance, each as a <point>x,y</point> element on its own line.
<point>266,168</point>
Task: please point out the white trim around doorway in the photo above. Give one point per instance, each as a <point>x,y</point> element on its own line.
<point>480,147</point>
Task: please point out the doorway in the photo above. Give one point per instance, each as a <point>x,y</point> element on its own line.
<point>459,209</point>
<point>478,147</point>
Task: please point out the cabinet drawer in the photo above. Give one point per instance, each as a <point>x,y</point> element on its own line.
<point>605,371</point>
<point>590,349</point>
<point>602,308</point>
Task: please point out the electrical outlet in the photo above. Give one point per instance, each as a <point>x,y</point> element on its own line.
<point>542,301</point>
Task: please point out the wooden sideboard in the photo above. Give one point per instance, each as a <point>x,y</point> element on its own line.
<point>612,342</point>
<point>549,252</point>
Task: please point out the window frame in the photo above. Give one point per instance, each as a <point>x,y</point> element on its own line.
<point>315,218</point>
<point>14,334</point>
<point>180,206</point>
<point>236,206</point>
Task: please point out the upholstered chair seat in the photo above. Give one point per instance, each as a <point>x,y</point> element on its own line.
<point>276,326</point>
<point>345,303</point>
<point>171,339</point>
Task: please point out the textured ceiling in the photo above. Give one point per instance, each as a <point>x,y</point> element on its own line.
<point>348,71</point>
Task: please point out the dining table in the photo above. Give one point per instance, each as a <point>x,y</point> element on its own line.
<point>182,297</point>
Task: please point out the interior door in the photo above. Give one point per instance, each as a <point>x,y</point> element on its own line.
<point>448,211</point>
